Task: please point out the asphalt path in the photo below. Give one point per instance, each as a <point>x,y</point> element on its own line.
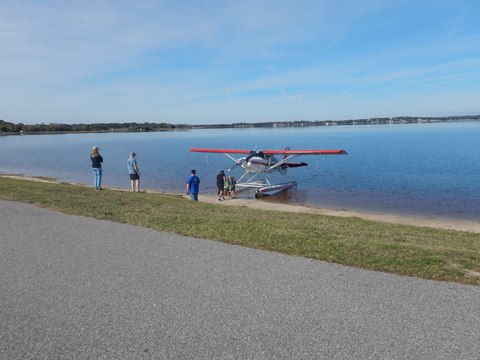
<point>77,288</point>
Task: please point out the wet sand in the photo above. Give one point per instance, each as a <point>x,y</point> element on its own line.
<point>450,224</point>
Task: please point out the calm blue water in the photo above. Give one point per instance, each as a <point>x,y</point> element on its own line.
<point>416,169</point>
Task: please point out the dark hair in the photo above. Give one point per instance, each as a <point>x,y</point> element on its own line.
<point>193,172</point>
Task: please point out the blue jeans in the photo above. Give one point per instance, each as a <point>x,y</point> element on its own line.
<point>194,196</point>
<point>97,177</point>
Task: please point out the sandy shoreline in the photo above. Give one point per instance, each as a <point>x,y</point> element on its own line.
<point>450,224</point>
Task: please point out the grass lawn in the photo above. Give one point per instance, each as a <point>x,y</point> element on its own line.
<point>422,252</point>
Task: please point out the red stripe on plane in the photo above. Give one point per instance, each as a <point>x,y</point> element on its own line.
<point>305,152</point>
<point>221,151</point>
<point>272,152</point>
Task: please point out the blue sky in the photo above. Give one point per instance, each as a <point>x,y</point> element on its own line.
<point>220,61</point>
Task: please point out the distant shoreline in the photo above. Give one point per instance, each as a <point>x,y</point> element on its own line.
<point>401,120</point>
<point>7,128</point>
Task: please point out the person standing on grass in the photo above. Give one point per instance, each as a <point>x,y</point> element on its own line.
<point>193,186</point>
<point>97,160</point>
<point>133,172</point>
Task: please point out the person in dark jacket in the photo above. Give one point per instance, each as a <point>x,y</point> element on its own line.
<point>221,185</point>
<point>97,161</point>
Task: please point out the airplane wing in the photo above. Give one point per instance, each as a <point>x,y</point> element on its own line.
<point>305,152</point>
<point>271,152</point>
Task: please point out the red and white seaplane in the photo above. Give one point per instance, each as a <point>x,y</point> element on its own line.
<point>257,164</point>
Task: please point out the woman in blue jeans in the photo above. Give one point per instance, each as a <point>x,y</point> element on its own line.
<point>97,168</point>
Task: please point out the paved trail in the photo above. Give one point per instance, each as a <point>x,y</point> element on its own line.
<point>77,288</point>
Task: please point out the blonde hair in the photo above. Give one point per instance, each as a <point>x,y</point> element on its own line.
<point>95,151</point>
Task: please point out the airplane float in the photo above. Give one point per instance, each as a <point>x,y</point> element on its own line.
<point>257,164</point>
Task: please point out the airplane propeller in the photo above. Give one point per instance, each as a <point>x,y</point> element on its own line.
<point>238,163</point>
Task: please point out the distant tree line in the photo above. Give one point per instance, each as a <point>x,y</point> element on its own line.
<point>8,127</point>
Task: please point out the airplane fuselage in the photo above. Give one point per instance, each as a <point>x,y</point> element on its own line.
<point>256,164</point>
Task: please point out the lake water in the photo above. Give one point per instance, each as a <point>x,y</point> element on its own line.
<point>415,169</point>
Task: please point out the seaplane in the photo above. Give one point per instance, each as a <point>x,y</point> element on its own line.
<point>258,163</point>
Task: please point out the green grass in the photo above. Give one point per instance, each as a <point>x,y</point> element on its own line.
<point>422,252</point>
